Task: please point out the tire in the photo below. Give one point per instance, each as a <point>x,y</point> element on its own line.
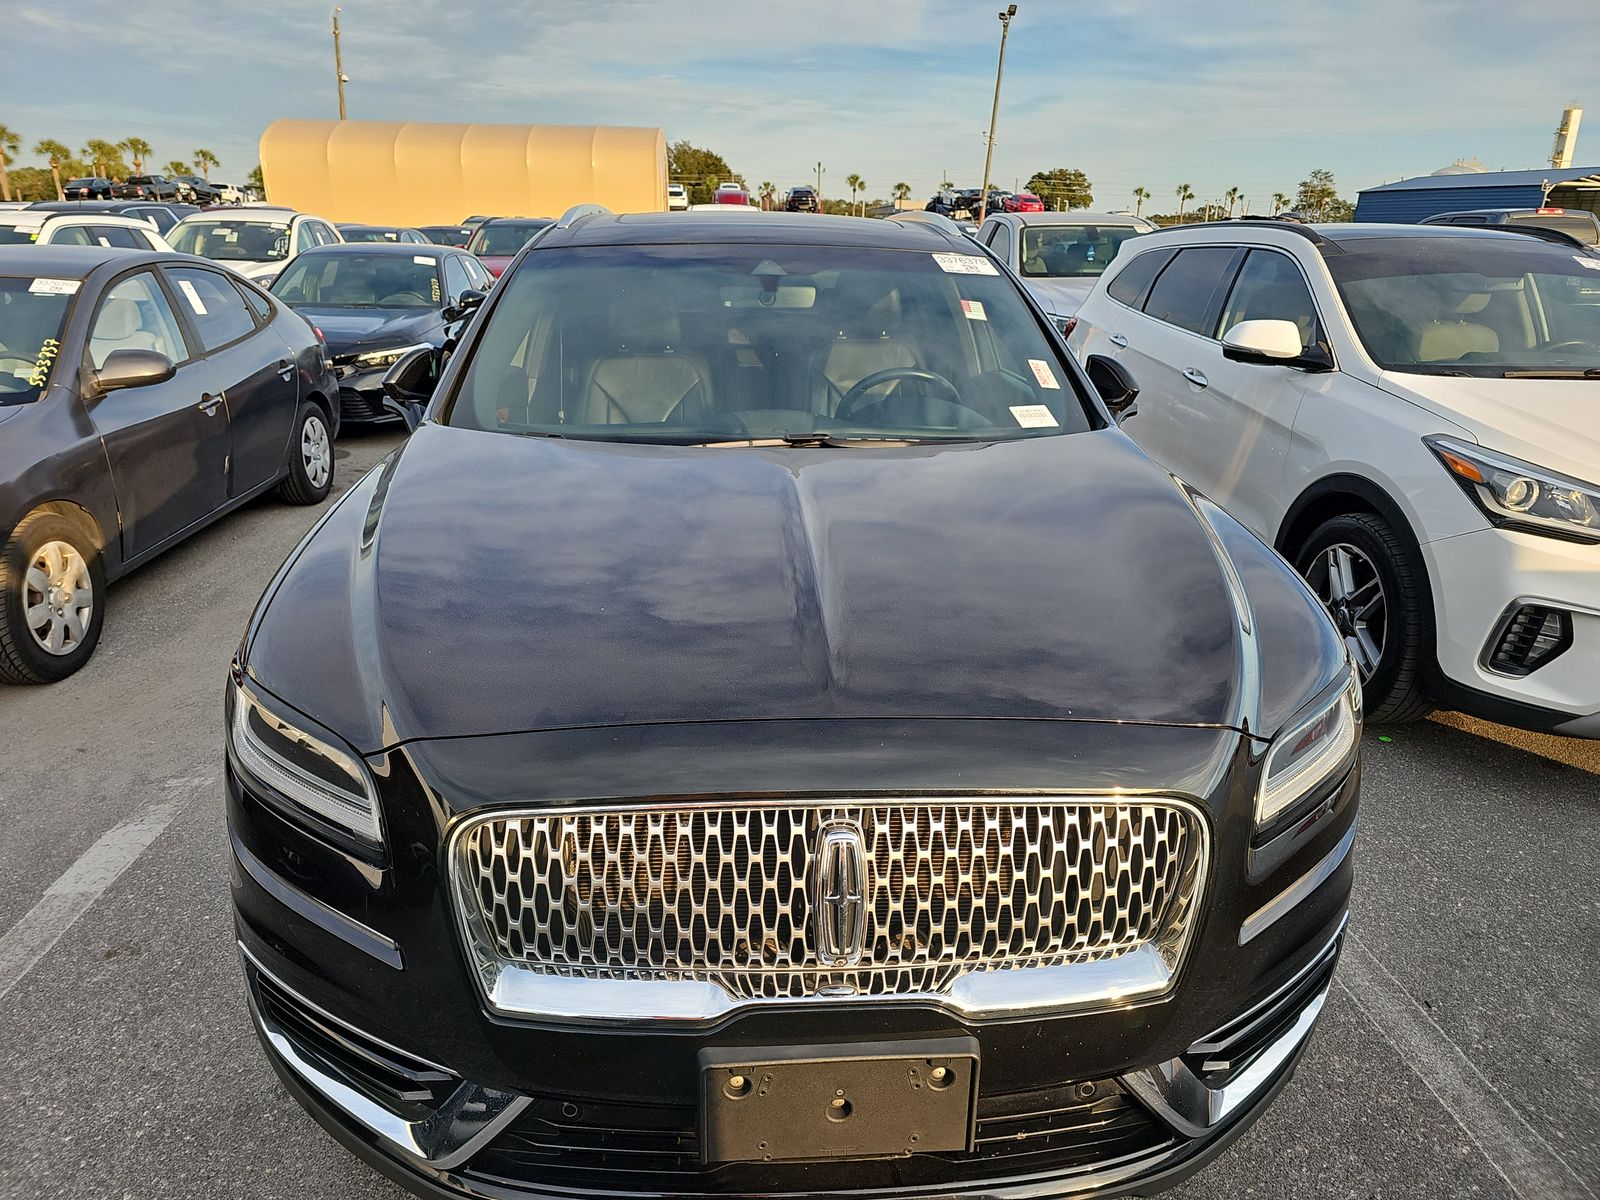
<point>52,599</point>
<point>310,458</point>
<point>1350,554</point>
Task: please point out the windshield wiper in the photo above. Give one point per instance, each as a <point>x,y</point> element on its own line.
<point>1573,373</point>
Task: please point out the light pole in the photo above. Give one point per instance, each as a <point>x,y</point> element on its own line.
<point>338,63</point>
<point>994,113</point>
<point>820,169</point>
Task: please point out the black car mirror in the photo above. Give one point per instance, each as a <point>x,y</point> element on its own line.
<point>467,302</point>
<point>132,368</point>
<point>409,384</point>
<point>1114,384</point>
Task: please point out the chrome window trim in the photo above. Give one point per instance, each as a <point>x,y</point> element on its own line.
<point>1279,906</point>
<point>1143,975</point>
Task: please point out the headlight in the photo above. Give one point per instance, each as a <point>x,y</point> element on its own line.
<point>304,768</point>
<point>1312,749</point>
<point>1517,495</point>
<point>387,358</point>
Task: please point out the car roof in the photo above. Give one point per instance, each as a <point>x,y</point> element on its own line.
<point>74,262</point>
<point>398,249</point>
<point>1073,218</point>
<point>37,218</point>
<point>236,212</point>
<point>1338,236</point>
<point>778,228</point>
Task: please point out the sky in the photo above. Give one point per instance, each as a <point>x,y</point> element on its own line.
<point>1227,93</point>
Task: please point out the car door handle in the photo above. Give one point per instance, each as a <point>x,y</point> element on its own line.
<point>286,370</point>
<point>1118,340</point>
<point>1195,376</point>
<point>208,403</point>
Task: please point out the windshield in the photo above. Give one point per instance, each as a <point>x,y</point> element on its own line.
<point>1472,306</point>
<point>17,235</point>
<point>504,238</point>
<point>231,241</point>
<point>1584,228</point>
<point>337,280</point>
<point>32,314</point>
<point>1071,251</point>
<point>694,344</point>
<point>369,234</point>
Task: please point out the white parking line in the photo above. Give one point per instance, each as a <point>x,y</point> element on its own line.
<point>1528,1164</point>
<point>70,896</point>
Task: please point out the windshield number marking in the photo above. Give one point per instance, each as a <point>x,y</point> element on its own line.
<point>42,364</point>
<point>54,287</point>
<point>965,264</point>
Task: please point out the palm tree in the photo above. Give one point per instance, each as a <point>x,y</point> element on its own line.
<point>10,146</point>
<point>106,156</point>
<point>205,160</point>
<point>862,184</point>
<point>1232,197</point>
<point>902,191</point>
<point>56,153</point>
<point>1140,195</point>
<point>140,149</point>
<point>175,167</point>
<point>1185,193</point>
<point>854,182</point>
<point>768,194</point>
<point>1279,202</point>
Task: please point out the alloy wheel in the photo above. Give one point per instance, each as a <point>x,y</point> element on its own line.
<point>58,598</point>
<point>315,451</point>
<point>1348,584</point>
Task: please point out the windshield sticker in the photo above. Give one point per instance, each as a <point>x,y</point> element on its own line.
<point>1592,263</point>
<point>965,264</point>
<point>1035,416</point>
<point>973,309</point>
<point>422,260</point>
<point>1042,372</point>
<point>54,287</point>
<point>43,363</point>
<point>193,297</point>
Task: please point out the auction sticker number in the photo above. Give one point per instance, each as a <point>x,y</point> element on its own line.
<point>43,363</point>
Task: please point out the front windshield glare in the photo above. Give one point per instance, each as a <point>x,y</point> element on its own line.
<point>32,313</point>
<point>1472,305</point>
<point>505,238</point>
<point>1071,251</point>
<point>693,344</point>
<point>345,280</point>
<point>228,241</point>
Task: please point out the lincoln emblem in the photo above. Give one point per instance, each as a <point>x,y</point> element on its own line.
<point>840,925</point>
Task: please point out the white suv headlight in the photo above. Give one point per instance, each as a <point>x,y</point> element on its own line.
<point>1518,495</point>
<point>304,768</point>
<point>1313,748</point>
<point>388,358</point>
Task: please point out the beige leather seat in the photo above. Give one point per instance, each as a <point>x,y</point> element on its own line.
<point>1447,341</point>
<point>119,327</point>
<point>863,345</point>
<point>648,378</point>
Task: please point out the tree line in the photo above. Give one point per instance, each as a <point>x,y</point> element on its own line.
<point>97,157</point>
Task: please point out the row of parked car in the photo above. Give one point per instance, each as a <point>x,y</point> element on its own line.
<point>185,189</point>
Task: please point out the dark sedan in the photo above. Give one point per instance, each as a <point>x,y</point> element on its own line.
<point>769,732</point>
<point>381,234</point>
<point>90,187</point>
<point>374,303</point>
<point>142,395</point>
<point>448,235</point>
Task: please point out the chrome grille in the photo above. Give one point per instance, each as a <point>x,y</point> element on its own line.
<point>728,893</point>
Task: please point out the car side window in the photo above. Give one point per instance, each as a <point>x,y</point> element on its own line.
<point>455,279</point>
<point>72,235</point>
<point>257,302</point>
<point>307,237</point>
<point>135,315</point>
<point>1182,294</point>
<point>1132,282</point>
<point>215,309</point>
<point>1271,288</point>
<point>1001,242</point>
<point>116,235</point>
<point>477,273</point>
<point>327,233</point>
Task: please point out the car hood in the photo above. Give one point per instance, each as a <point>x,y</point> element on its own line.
<point>1552,423</point>
<point>352,330</point>
<point>1063,297</point>
<point>486,583</point>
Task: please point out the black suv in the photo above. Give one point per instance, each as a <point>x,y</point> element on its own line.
<point>145,187</point>
<point>196,189</point>
<point>1577,223</point>
<point>769,732</point>
<point>802,199</point>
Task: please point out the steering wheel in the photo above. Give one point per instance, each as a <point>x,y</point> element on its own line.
<point>1573,344</point>
<point>403,300</point>
<point>852,400</point>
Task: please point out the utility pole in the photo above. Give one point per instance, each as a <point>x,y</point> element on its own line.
<point>338,64</point>
<point>994,112</point>
<point>819,187</point>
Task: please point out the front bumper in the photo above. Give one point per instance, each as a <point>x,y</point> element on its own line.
<point>361,396</point>
<point>1477,579</point>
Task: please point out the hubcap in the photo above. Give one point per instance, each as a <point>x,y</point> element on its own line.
<point>315,451</point>
<point>57,598</point>
<point>1349,586</point>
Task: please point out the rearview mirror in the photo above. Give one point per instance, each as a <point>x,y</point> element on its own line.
<point>132,368</point>
<point>409,384</point>
<point>1114,384</point>
<point>467,302</point>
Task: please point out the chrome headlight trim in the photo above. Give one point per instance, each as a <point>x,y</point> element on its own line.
<point>1515,494</point>
<point>340,792</point>
<point>1317,745</point>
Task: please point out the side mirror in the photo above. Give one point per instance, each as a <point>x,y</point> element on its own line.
<point>1114,384</point>
<point>468,302</point>
<point>1272,344</point>
<point>409,384</point>
<point>132,368</point>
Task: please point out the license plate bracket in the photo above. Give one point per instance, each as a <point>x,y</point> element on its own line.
<point>857,1100</point>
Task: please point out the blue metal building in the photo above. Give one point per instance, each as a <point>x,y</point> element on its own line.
<point>1410,200</point>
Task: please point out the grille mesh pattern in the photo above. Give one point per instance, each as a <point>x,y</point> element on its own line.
<point>724,894</point>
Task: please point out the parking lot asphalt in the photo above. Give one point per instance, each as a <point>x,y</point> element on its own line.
<point>1458,1054</point>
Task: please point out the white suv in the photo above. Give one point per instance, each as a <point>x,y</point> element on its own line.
<point>256,242</point>
<point>52,227</point>
<point>1411,415</point>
